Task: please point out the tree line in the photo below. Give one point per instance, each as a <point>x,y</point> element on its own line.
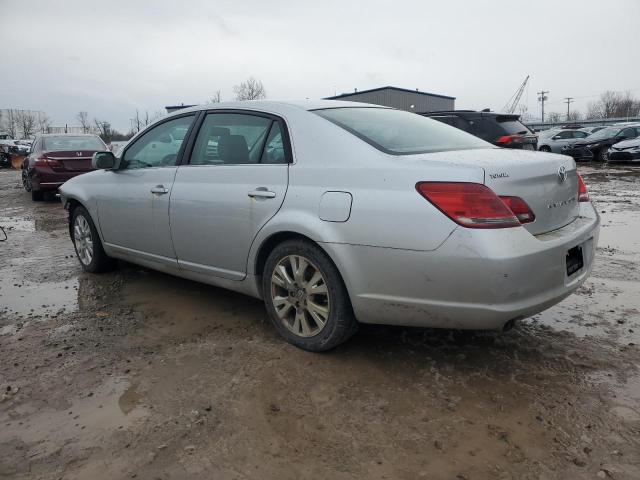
<point>610,105</point>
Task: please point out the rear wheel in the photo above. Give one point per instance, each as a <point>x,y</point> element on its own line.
<point>306,298</point>
<point>545,148</point>
<point>87,244</point>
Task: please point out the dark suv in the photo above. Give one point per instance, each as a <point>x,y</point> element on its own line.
<point>501,129</point>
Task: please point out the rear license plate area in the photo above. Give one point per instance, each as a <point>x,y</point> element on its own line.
<point>575,260</point>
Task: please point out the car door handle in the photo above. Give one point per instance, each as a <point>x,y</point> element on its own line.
<point>160,190</point>
<point>261,193</point>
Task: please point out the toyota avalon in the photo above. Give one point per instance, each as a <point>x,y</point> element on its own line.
<point>338,213</point>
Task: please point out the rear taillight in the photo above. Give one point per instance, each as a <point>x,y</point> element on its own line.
<point>44,161</point>
<point>583,195</point>
<point>519,208</point>
<point>506,139</point>
<point>471,205</point>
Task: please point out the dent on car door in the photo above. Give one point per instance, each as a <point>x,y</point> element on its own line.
<point>133,205</point>
<point>235,182</point>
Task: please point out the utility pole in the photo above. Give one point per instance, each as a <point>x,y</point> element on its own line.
<point>568,101</point>
<point>542,98</point>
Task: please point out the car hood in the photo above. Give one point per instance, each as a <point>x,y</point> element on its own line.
<point>634,142</point>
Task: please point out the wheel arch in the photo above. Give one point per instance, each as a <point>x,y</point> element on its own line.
<point>272,241</point>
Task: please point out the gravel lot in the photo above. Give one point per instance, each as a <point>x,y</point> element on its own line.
<point>135,374</point>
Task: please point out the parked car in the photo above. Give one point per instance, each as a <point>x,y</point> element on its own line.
<point>591,130</point>
<point>596,146</point>
<point>503,130</point>
<point>340,212</point>
<point>625,151</point>
<point>554,140</point>
<point>55,158</point>
<point>11,148</point>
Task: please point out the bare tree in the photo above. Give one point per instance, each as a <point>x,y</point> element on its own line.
<point>104,129</point>
<point>136,122</point>
<point>553,117</point>
<point>574,116</point>
<point>27,122</point>
<point>250,89</point>
<point>83,119</point>
<point>216,97</point>
<point>43,122</point>
<point>614,105</point>
<point>12,122</point>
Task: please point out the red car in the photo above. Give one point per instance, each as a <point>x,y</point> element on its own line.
<point>54,159</point>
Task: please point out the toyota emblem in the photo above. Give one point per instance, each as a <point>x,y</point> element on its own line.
<point>562,174</point>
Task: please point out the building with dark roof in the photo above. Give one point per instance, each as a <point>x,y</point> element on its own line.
<point>401,98</point>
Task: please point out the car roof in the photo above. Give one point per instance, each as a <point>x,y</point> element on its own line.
<point>275,105</point>
<point>67,135</point>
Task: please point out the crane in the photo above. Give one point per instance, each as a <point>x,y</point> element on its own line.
<point>511,105</point>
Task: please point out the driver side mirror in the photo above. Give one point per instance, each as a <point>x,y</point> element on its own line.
<point>555,137</point>
<point>103,161</point>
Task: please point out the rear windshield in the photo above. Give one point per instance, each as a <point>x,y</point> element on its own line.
<point>512,126</point>
<point>401,133</point>
<point>58,144</point>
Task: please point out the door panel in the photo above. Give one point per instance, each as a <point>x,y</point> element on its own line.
<point>133,217</point>
<point>236,181</point>
<point>133,205</point>
<point>213,218</point>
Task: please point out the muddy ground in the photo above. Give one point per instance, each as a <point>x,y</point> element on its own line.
<point>135,374</point>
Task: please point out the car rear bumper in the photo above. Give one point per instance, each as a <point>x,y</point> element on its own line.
<point>44,178</point>
<point>477,279</point>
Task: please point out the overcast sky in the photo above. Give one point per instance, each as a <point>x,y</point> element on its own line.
<point>110,57</point>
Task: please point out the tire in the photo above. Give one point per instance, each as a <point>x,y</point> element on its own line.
<point>603,155</point>
<point>26,180</point>
<point>87,244</point>
<point>321,321</point>
<point>545,148</point>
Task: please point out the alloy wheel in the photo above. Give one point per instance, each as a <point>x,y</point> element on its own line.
<point>83,240</point>
<point>300,296</point>
<point>26,181</point>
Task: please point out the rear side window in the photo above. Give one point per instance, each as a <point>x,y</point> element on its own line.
<point>236,139</point>
<point>400,133</point>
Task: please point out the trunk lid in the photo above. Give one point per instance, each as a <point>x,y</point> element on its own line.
<point>535,177</point>
<point>70,160</point>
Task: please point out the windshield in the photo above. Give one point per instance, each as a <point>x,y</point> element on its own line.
<point>604,133</point>
<point>73,143</point>
<point>398,132</point>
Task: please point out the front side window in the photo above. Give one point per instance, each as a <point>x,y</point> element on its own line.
<point>237,139</point>
<point>159,146</point>
<point>400,133</point>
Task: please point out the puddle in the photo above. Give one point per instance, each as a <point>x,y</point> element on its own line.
<point>23,298</point>
<point>603,307</point>
<point>186,307</point>
<point>86,421</point>
<point>17,223</point>
<point>625,393</point>
<point>620,230</point>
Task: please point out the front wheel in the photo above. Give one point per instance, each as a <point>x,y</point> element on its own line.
<point>87,243</point>
<point>603,155</point>
<point>545,148</point>
<point>306,298</point>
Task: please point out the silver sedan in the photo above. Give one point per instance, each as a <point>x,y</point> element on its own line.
<point>554,140</point>
<point>337,213</point>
